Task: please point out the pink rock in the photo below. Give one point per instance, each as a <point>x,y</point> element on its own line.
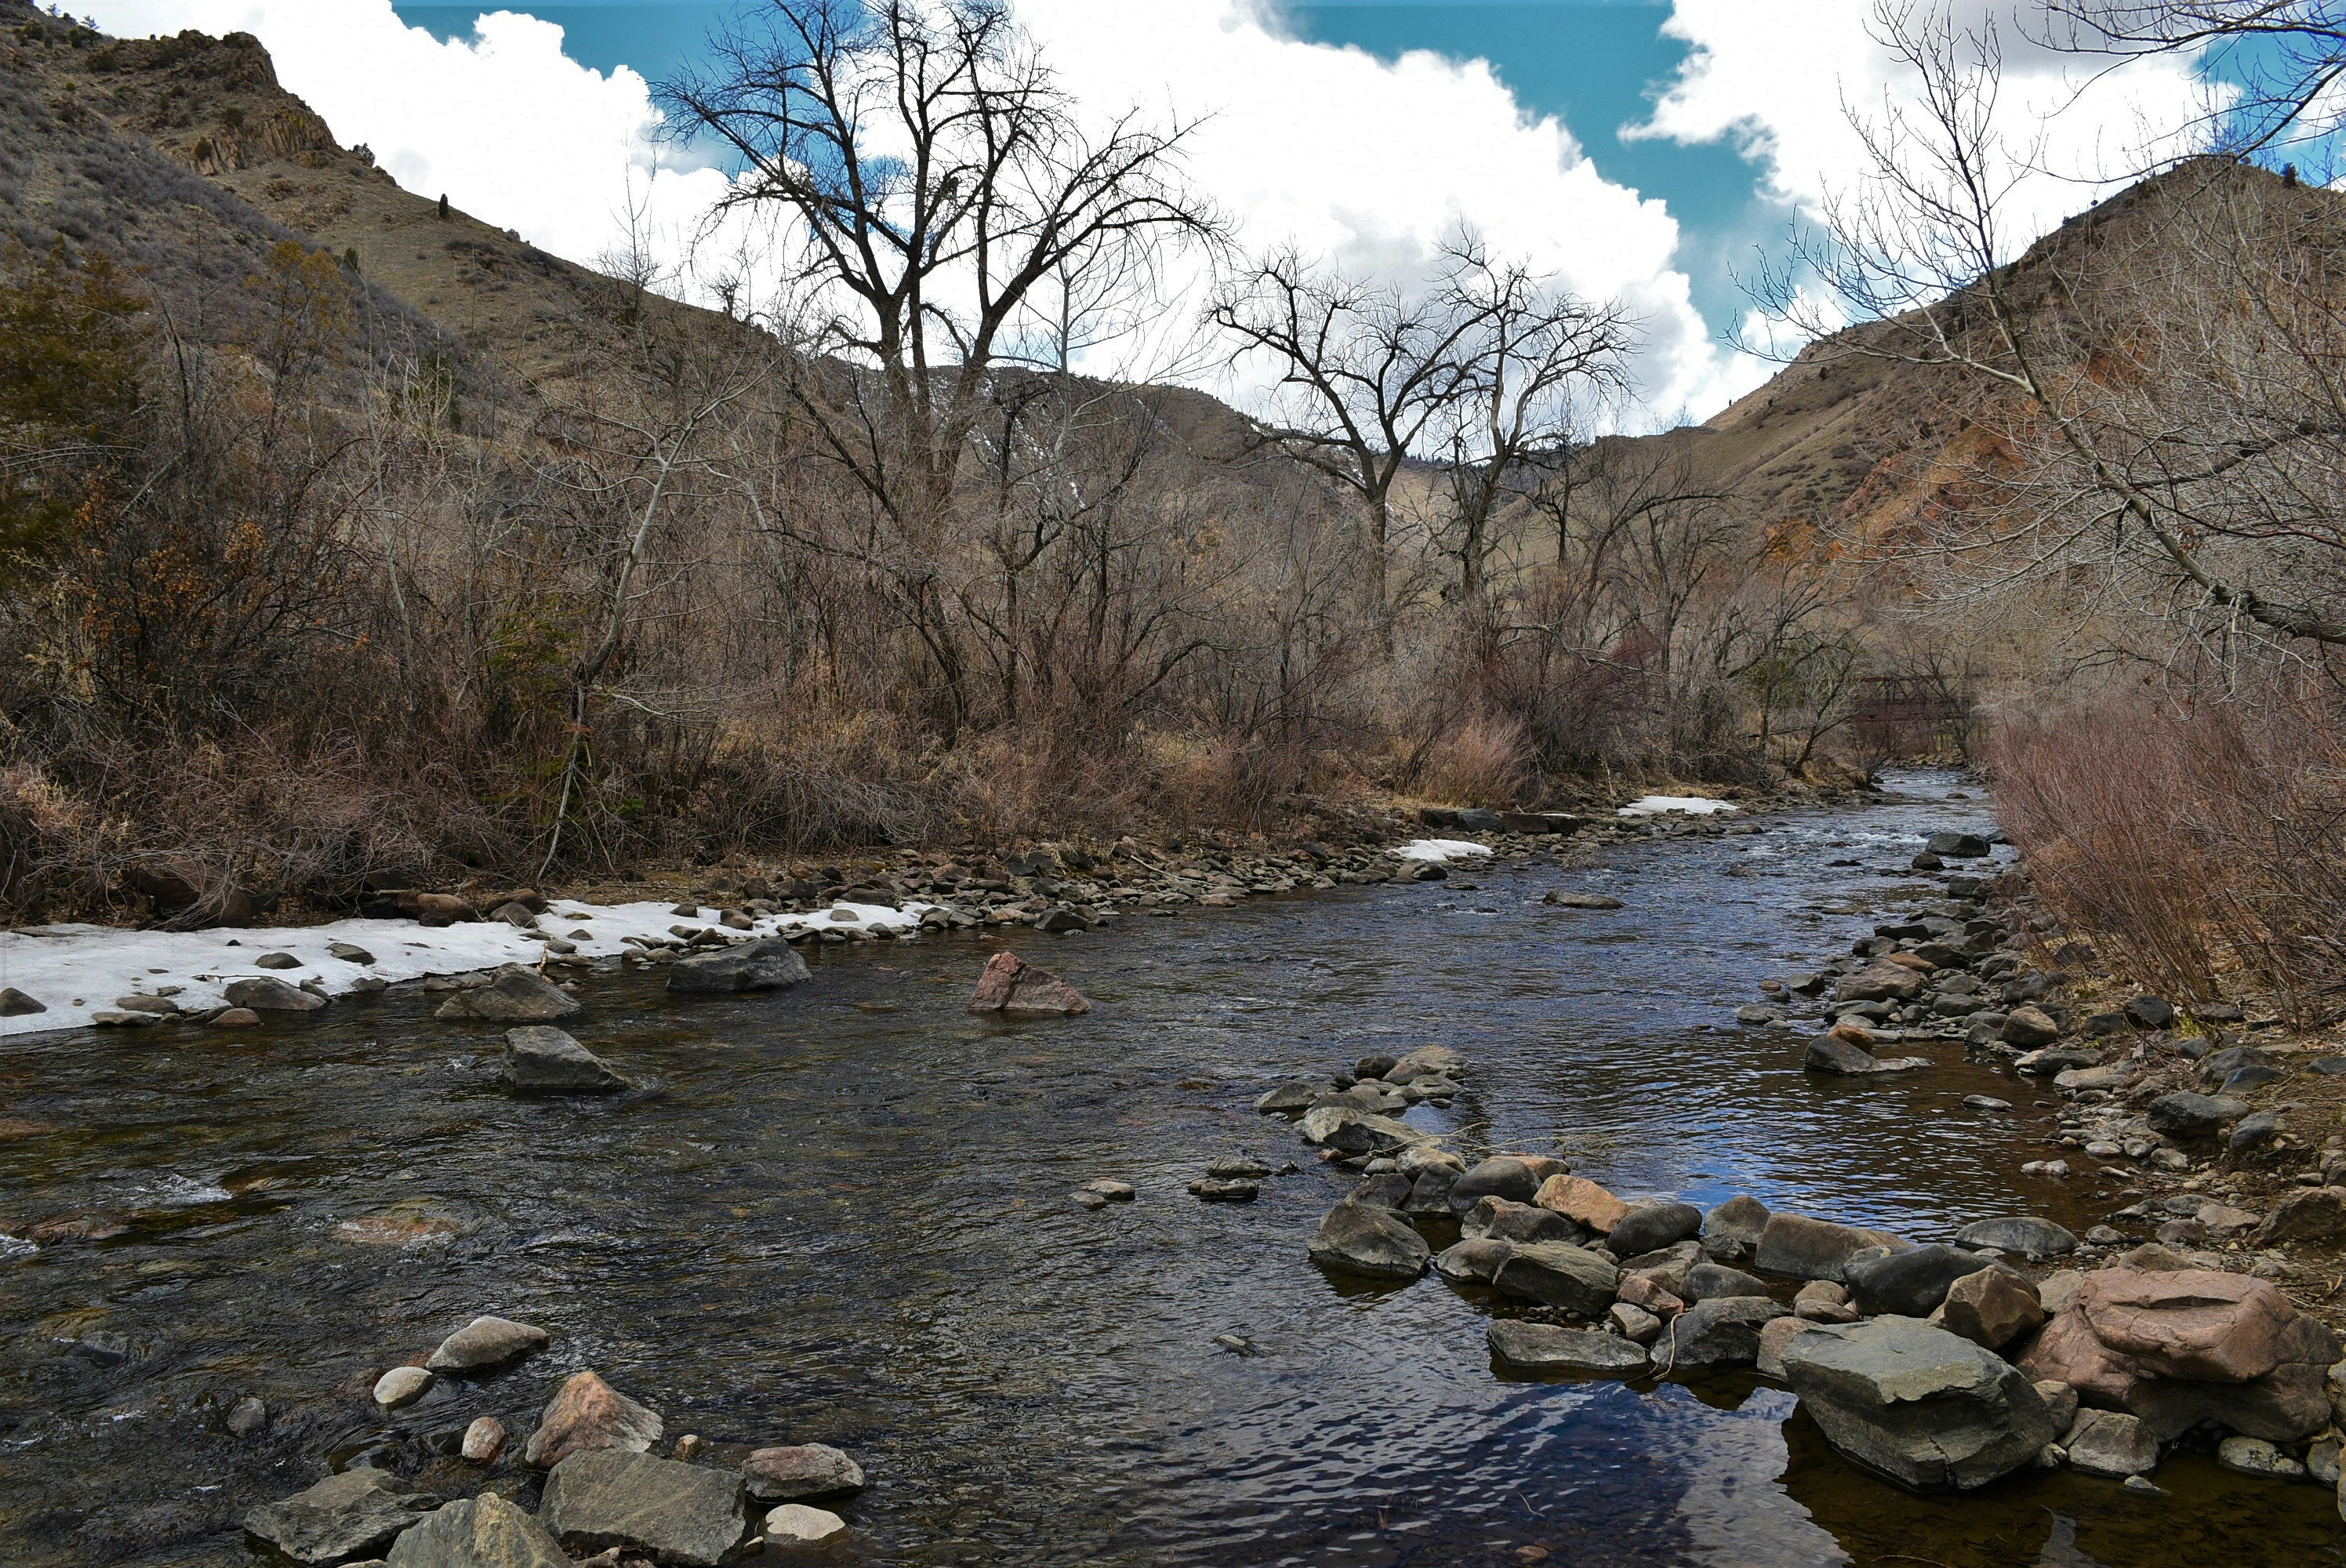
<point>1012,987</point>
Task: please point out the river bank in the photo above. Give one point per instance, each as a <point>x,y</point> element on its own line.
<point>842,1215</point>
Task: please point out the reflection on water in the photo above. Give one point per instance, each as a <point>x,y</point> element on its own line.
<point>842,1216</point>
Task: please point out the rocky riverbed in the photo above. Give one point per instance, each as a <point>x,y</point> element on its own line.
<point>845,1212</point>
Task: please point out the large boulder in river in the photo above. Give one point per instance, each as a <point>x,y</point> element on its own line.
<point>484,1532</point>
<point>1909,1283</point>
<point>1731,1232</point>
<point>514,994</point>
<point>1357,1239</point>
<point>680,1513</point>
<point>1723,1331</point>
<point>484,1343</point>
<point>2037,1240</point>
<point>1805,1248</point>
<point>1880,982</point>
<point>1653,1225</point>
<point>799,1471</point>
<point>1557,1273</point>
<point>769,964</point>
<point>1583,1202</point>
<point>542,1060</point>
<point>1426,1062</point>
<point>354,1514</point>
<point>586,1414</point>
<point>1521,1223</point>
<point>1522,1347</point>
<point>267,993</point>
<point>2178,1347</point>
<point>1501,1176</point>
<point>1928,1408</point>
<point>1015,988</point>
<point>1351,1131</point>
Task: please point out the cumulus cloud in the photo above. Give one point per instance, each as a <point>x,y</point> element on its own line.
<point>1782,93</point>
<point>1366,162</point>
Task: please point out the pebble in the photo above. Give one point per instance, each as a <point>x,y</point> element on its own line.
<point>402,1386</point>
<point>483,1440</point>
<point>247,1417</point>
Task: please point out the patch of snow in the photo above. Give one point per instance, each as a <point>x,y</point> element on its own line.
<point>79,969</point>
<point>1439,849</point>
<point>1692,805</point>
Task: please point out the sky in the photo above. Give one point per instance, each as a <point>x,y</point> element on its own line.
<point>1651,153</point>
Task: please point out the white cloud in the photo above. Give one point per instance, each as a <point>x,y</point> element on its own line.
<point>1782,90</point>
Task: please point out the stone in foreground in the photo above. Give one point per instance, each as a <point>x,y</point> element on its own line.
<point>795,1524</point>
<point>588,1414</point>
<point>516,994</point>
<point>681,1513</point>
<point>485,1342</point>
<point>2111,1444</point>
<point>1804,1248</point>
<point>768,965</point>
<point>1558,1274</point>
<point>402,1386</point>
<point>1928,1408</point>
<point>2037,1240</point>
<point>542,1060</point>
<point>353,1514</point>
<point>267,993</point>
<point>1546,1347</point>
<point>484,1532</point>
<point>1015,988</point>
<point>1720,1332</point>
<point>801,1470</point>
<point>1357,1239</point>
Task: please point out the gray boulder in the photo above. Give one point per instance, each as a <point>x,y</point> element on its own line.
<point>485,1342</point>
<point>2034,1239</point>
<point>1956,846</point>
<point>2111,1444</point>
<point>1928,1408</point>
<point>1720,1332</point>
<point>1352,1131</point>
<point>1557,1273</point>
<point>1804,1248</point>
<point>542,1060</point>
<point>1292,1098</point>
<point>802,1470</point>
<point>514,994</point>
<point>1546,1347</point>
<point>1501,1176</point>
<point>768,965</point>
<point>1375,1242</point>
<point>1522,1223</point>
<point>1650,1227</point>
<point>2187,1116</point>
<point>354,1514</point>
<point>267,993</point>
<point>680,1513</point>
<point>1474,1261</point>
<point>1730,1232</point>
<point>484,1532</point>
<point>1715,1281</point>
<point>1909,1284</point>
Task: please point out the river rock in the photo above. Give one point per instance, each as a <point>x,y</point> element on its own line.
<point>770,964</point>
<point>1557,1273</point>
<point>1955,846</point>
<point>1822,1301</point>
<point>484,1532</point>
<point>1426,1062</point>
<point>483,1440</point>
<point>2184,1115</point>
<point>1831,1054</point>
<point>1351,1131</point>
<point>1926,1408</point>
<point>1429,1190</point>
<point>2110,1443</point>
<point>514,994</point>
<point>799,1471</point>
<point>267,993</point>
<point>1730,1232</point>
<point>2030,1028</point>
<point>2305,1213</point>
<point>1522,1223</point>
<point>1662,1222</point>
<point>1635,1324</point>
<point>1909,1283</point>
<point>1580,900</point>
<point>485,1342</point>
<point>1546,1347</point>
<point>1501,1176</point>
<point>795,1524</point>
<point>680,1513</point>
<point>1715,1281</point>
<point>588,1414</point>
<point>1474,1261</point>
<point>402,1386</point>
<point>1292,1098</point>
<point>2060,1398</point>
<point>353,1514</point>
<point>2037,1240</point>
<point>1369,1241</point>
<point>1583,1202</point>
<point>14,1004</point>
<point>1215,1189</point>
<point>1720,1332</point>
<point>540,1059</point>
<point>1802,1248</point>
<point>2151,1013</point>
<point>1774,1335</point>
<point>249,1417</point>
<point>1880,982</point>
<point>2255,1456</point>
<point>1992,1307</point>
<point>1015,988</point>
<point>235,1018</point>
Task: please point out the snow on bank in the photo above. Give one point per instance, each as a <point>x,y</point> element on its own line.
<point>79,969</point>
<point>1655,805</point>
<point>1439,849</point>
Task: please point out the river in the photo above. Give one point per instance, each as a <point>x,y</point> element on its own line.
<point>840,1214</point>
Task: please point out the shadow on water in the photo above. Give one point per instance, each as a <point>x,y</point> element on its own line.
<point>842,1216</point>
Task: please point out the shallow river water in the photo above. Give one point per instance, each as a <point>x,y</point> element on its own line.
<point>840,1214</point>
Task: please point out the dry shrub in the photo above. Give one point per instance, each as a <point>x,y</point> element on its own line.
<point>1484,761</point>
<point>2198,846</point>
<point>820,780</point>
